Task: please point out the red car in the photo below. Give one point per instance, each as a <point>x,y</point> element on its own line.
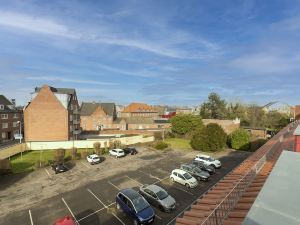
<point>68,220</point>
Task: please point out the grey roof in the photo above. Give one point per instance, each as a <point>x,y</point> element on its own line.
<point>4,100</point>
<point>70,91</point>
<point>278,201</point>
<point>87,108</point>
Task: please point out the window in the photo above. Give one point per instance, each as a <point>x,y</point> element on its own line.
<point>15,124</point>
<point>4,125</point>
<point>4,116</point>
<point>71,117</point>
<point>181,177</point>
<point>71,107</point>
<point>16,115</point>
<point>2,107</point>
<point>3,135</point>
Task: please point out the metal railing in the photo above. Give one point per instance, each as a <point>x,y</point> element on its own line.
<point>219,214</point>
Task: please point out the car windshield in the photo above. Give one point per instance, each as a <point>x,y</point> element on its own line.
<point>162,195</point>
<point>210,159</point>
<point>96,157</point>
<point>187,176</point>
<point>140,204</point>
<point>197,170</point>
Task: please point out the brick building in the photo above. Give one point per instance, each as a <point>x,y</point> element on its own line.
<point>98,116</point>
<point>52,115</point>
<point>139,110</point>
<point>10,119</point>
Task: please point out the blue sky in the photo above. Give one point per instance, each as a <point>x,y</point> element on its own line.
<point>160,52</point>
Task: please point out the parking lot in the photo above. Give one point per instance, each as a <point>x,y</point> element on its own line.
<point>94,203</point>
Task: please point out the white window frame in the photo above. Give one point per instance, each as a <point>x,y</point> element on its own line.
<point>15,124</point>
<point>1,107</point>
<point>4,127</point>
<point>4,116</point>
<point>3,135</point>
<point>16,115</point>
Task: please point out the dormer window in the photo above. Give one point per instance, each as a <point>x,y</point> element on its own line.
<point>1,107</point>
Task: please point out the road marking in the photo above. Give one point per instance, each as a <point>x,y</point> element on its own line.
<point>30,216</point>
<point>134,180</point>
<point>118,218</point>
<point>158,216</point>
<point>70,210</point>
<point>183,190</point>
<point>85,165</point>
<point>150,175</point>
<point>113,185</point>
<point>106,206</point>
<point>48,172</point>
<point>161,180</point>
<point>96,197</point>
<point>99,210</point>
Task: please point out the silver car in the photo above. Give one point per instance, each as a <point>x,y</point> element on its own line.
<point>158,197</point>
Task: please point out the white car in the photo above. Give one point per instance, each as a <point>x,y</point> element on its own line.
<point>183,178</point>
<point>92,159</point>
<point>209,161</point>
<point>117,152</point>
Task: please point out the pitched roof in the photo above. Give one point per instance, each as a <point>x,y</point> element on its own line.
<point>4,100</point>
<point>139,107</point>
<point>69,91</point>
<point>87,108</point>
<point>135,120</point>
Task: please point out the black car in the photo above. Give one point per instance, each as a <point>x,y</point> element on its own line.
<point>130,150</point>
<point>195,172</point>
<point>204,167</point>
<point>59,168</point>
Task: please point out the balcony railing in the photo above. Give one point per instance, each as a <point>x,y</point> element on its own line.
<point>76,122</point>
<point>78,131</point>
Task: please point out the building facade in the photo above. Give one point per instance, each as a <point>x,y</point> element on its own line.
<point>139,110</point>
<point>98,116</point>
<point>10,120</point>
<point>52,115</point>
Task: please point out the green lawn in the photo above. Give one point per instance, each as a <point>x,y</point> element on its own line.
<point>27,162</point>
<point>179,143</point>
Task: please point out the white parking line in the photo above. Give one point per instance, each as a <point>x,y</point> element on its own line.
<point>106,206</point>
<point>161,180</point>
<point>48,173</point>
<point>134,180</point>
<point>150,175</point>
<point>85,165</point>
<point>178,188</point>
<point>30,216</point>
<point>158,217</point>
<point>99,210</point>
<point>70,210</point>
<point>113,185</point>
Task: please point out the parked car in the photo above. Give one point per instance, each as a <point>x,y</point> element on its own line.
<point>183,178</point>
<point>93,159</point>
<point>117,152</point>
<point>130,150</point>
<point>207,160</point>
<point>59,168</point>
<point>195,172</point>
<point>204,167</point>
<point>135,205</point>
<point>68,220</point>
<point>158,197</point>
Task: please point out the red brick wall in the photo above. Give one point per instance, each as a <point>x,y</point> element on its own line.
<point>297,112</point>
<point>45,118</point>
<point>10,130</point>
<point>297,143</point>
<point>227,125</point>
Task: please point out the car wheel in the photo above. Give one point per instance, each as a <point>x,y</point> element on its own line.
<point>187,185</point>
<point>136,222</point>
<point>161,208</point>
<point>172,179</point>
<point>213,166</point>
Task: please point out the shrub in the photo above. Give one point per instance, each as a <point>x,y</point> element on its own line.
<point>210,138</point>
<point>158,135</point>
<point>40,164</point>
<point>59,155</point>
<point>74,153</point>
<point>240,139</point>
<point>97,146</point>
<point>104,151</point>
<point>183,124</point>
<point>160,145</point>
<point>256,144</point>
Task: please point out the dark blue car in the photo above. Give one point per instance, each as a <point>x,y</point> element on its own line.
<point>134,205</point>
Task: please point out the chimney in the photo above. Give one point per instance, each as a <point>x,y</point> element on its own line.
<point>13,101</point>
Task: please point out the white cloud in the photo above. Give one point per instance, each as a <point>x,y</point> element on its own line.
<point>107,34</point>
<point>34,24</point>
<point>266,63</point>
<point>67,80</point>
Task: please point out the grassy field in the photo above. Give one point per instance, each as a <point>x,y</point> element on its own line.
<point>179,143</point>
<point>27,162</point>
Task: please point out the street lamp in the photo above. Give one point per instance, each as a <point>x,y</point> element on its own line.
<point>19,122</point>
